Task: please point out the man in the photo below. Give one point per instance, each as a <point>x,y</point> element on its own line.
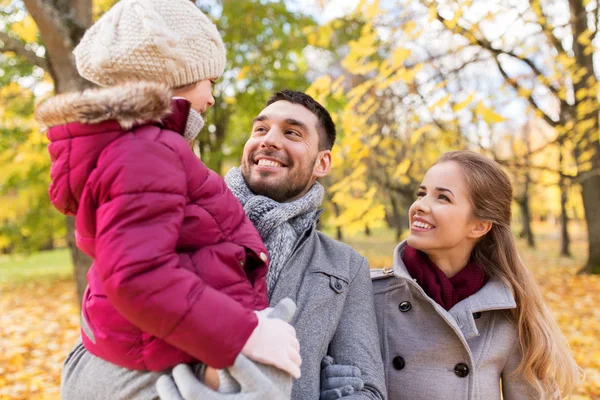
<point>288,150</point>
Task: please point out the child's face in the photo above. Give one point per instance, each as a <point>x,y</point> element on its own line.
<point>441,217</point>
<point>200,95</point>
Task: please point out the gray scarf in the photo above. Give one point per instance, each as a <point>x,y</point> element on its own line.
<point>279,224</point>
<point>194,125</point>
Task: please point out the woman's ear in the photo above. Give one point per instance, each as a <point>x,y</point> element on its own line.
<point>480,228</point>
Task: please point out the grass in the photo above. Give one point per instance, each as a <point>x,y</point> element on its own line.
<point>45,265</point>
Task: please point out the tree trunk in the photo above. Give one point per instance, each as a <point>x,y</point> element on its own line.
<point>526,231</point>
<point>339,234</point>
<point>590,192</point>
<point>565,240</point>
<point>588,139</point>
<point>396,218</point>
<point>81,262</point>
<point>523,202</point>
<point>62,24</point>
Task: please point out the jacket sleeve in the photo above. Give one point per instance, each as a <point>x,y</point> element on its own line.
<point>516,387</point>
<point>141,193</point>
<point>356,340</point>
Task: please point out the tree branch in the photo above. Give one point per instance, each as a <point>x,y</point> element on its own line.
<point>49,20</point>
<point>548,31</point>
<point>17,46</point>
<point>487,45</point>
<point>530,98</point>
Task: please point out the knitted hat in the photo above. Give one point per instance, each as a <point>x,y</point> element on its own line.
<point>168,41</point>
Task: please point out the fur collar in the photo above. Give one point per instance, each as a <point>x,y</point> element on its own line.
<point>129,104</point>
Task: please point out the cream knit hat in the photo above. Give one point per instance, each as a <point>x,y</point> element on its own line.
<point>168,41</point>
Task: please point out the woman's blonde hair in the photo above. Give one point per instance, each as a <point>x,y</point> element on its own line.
<point>547,361</point>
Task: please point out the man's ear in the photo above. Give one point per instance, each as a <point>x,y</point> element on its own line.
<point>323,164</point>
<point>480,228</point>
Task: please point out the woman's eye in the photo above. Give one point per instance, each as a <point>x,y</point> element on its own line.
<point>444,197</point>
<point>420,194</point>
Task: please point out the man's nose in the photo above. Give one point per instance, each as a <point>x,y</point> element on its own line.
<point>272,138</point>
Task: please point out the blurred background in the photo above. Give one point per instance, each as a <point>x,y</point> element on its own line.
<point>516,80</point>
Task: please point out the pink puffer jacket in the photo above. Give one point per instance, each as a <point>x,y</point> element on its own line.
<point>178,267</point>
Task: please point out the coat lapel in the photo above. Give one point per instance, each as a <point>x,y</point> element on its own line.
<point>494,295</point>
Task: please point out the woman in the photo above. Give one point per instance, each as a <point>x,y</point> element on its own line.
<point>459,315</point>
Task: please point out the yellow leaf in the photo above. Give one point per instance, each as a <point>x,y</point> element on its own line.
<point>402,168</point>
<point>460,106</point>
<point>243,72</point>
<point>441,102</point>
<point>26,29</point>
<point>432,13</point>
<point>488,115</point>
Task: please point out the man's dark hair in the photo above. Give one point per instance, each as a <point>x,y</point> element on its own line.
<point>325,127</point>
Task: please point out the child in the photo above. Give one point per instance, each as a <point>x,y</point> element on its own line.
<point>178,268</point>
<point>459,315</point>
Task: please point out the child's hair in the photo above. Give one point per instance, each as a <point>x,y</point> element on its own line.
<point>547,361</point>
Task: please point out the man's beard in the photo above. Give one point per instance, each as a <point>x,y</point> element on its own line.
<point>283,190</point>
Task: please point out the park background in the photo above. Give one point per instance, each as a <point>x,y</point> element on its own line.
<point>406,80</point>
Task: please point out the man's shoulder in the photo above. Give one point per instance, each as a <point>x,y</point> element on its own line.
<point>334,254</point>
<point>337,246</point>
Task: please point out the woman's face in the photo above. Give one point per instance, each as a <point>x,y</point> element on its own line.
<point>200,95</point>
<point>441,217</point>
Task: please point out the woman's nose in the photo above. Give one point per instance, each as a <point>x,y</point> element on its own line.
<point>422,205</point>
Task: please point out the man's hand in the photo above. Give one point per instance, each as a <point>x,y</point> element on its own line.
<point>338,381</point>
<point>257,381</point>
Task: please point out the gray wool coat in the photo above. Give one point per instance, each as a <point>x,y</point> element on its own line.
<point>331,285</point>
<point>430,353</point>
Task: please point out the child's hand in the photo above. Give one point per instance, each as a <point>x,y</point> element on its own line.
<point>257,382</point>
<point>274,341</point>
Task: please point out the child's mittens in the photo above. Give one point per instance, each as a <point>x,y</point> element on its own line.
<point>274,341</point>
<point>256,381</point>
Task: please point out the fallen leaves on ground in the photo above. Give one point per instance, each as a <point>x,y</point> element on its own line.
<point>40,323</point>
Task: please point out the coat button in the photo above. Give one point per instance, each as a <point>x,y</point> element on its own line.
<point>241,263</point>
<point>405,306</point>
<point>477,315</point>
<point>461,370</point>
<point>398,363</point>
<point>338,285</point>
<point>263,256</point>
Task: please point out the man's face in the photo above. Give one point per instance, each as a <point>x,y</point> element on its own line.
<point>281,159</point>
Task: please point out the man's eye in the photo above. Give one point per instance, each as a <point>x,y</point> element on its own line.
<point>293,133</point>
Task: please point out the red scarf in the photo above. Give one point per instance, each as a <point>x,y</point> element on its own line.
<point>443,290</point>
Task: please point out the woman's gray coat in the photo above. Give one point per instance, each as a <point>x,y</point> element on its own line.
<point>430,353</point>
